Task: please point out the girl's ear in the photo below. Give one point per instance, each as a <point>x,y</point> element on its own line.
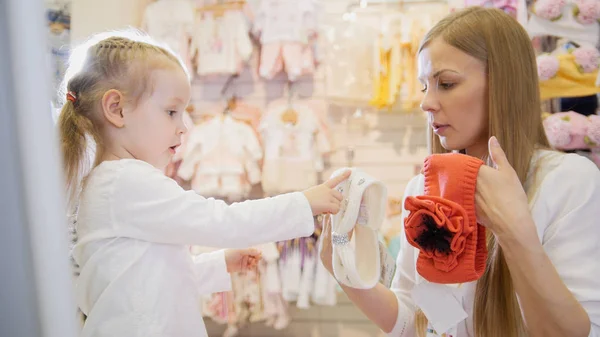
<point>112,107</point>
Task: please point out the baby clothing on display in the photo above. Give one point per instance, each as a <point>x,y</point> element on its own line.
<point>356,260</point>
<point>241,111</point>
<point>442,223</point>
<point>221,44</point>
<point>295,57</point>
<point>293,151</point>
<point>221,158</point>
<point>349,60</point>
<point>285,21</point>
<point>171,22</point>
<point>286,29</point>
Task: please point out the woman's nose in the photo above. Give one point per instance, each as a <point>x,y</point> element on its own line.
<point>430,103</point>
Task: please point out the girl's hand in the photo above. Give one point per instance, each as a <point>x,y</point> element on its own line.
<point>500,200</point>
<point>239,260</point>
<point>324,198</point>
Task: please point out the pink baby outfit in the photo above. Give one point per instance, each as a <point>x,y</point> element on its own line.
<point>221,159</point>
<point>293,153</point>
<point>286,29</point>
<point>243,112</point>
<point>221,44</point>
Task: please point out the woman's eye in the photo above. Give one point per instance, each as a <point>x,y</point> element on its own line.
<point>171,112</point>
<point>446,86</point>
<point>424,89</point>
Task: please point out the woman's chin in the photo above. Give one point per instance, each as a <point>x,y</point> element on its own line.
<point>449,145</point>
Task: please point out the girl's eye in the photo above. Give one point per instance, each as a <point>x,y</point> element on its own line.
<point>171,112</point>
<point>424,89</point>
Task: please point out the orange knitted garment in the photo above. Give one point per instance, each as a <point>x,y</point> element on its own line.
<point>442,223</point>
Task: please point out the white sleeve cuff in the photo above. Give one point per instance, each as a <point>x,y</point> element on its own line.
<point>594,331</point>
<point>405,324</point>
<point>211,271</point>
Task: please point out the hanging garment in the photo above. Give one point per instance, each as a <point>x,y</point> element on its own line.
<point>294,57</point>
<point>388,68</point>
<point>287,30</point>
<point>242,111</point>
<point>349,59</point>
<point>221,43</point>
<point>293,153</point>
<point>285,21</point>
<point>171,22</point>
<point>221,159</point>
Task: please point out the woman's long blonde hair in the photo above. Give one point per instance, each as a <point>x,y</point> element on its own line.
<point>113,60</point>
<point>515,118</point>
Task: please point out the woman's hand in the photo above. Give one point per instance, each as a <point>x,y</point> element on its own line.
<point>238,260</point>
<point>500,200</point>
<point>326,252</point>
<point>326,248</point>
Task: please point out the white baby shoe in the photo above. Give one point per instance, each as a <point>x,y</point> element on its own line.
<point>356,261</point>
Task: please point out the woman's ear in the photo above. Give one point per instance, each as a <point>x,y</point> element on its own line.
<point>112,107</point>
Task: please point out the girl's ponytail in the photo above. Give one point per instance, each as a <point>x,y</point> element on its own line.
<point>75,131</point>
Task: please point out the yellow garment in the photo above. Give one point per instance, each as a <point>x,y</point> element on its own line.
<point>569,81</point>
<point>381,82</point>
<point>388,75</point>
<point>409,78</point>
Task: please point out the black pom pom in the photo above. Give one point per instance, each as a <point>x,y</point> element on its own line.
<point>434,238</point>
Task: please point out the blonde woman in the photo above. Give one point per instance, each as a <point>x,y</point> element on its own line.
<point>541,207</point>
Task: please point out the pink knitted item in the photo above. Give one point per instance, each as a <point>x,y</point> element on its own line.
<point>572,131</point>
<point>557,132</point>
<point>549,9</point>
<point>586,12</point>
<point>593,132</point>
<point>587,59</point>
<point>547,66</point>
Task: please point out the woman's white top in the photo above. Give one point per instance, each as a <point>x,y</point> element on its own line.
<point>135,225</point>
<point>566,211</point>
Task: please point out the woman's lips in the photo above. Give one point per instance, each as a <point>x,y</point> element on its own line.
<point>440,129</point>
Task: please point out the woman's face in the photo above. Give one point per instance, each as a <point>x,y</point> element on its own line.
<point>455,100</point>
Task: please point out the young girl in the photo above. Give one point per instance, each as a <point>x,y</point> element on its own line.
<point>134,224</point>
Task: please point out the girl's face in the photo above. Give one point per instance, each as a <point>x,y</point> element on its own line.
<point>455,87</point>
<point>154,128</point>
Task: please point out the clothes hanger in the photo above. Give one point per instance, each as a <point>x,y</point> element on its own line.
<point>219,9</point>
<point>231,101</point>
<point>290,116</point>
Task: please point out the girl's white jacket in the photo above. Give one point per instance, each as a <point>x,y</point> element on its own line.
<point>135,226</point>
